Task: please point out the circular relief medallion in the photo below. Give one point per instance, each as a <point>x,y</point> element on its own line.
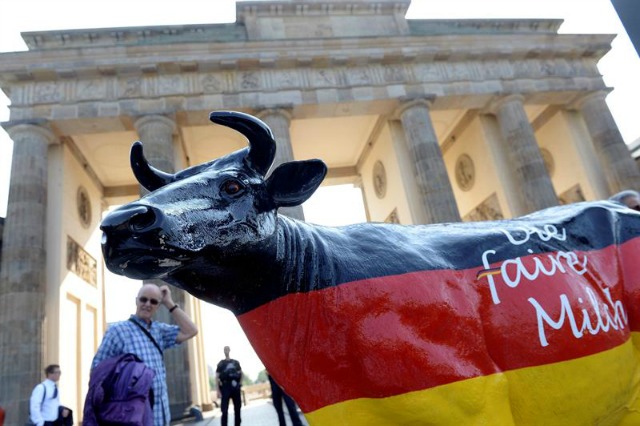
<point>548,161</point>
<point>379,179</point>
<point>465,172</point>
<point>84,206</point>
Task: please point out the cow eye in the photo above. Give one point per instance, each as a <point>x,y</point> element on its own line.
<point>232,187</point>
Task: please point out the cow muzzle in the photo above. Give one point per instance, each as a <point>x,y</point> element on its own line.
<point>132,242</point>
<point>133,219</point>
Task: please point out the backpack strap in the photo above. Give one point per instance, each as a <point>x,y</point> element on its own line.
<point>145,331</point>
<point>44,394</point>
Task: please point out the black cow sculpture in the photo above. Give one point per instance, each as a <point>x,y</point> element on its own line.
<point>531,321</point>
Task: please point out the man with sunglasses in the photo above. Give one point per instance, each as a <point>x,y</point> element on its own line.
<point>148,339</point>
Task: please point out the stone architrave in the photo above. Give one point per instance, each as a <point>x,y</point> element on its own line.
<point>432,178</point>
<point>619,168</point>
<point>23,271</point>
<point>525,160</point>
<point>156,134</point>
<point>279,120</point>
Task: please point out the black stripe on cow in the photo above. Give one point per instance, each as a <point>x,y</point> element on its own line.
<point>311,257</point>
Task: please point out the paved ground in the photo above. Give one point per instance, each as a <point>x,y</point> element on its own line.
<point>257,413</point>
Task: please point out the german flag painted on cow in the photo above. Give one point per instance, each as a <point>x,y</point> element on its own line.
<point>533,321</point>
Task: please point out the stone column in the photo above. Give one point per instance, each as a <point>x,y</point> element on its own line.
<point>279,120</point>
<point>527,165</point>
<point>156,133</point>
<point>23,280</point>
<point>619,168</point>
<point>432,178</point>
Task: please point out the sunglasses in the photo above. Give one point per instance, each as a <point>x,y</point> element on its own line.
<point>144,300</point>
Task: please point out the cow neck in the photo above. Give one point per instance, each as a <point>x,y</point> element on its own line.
<point>235,281</point>
<point>306,261</point>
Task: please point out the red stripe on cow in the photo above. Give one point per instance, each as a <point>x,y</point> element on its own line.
<point>391,335</point>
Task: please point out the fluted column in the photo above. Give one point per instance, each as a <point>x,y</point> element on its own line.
<point>156,133</point>
<point>279,120</point>
<point>23,272</point>
<point>432,178</point>
<point>619,168</point>
<point>525,159</point>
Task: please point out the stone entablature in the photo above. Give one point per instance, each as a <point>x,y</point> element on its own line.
<point>134,36</point>
<point>314,8</point>
<point>88,62</point>
<point>290,20</point>
<point>235,32</point>
<point>482,26</point>
<point>364,50</point>
<point>162,70</point>
<point>113,96</point>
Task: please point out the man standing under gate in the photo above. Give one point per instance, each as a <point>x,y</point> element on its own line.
<point>229,379</point>
<point>148,339</point>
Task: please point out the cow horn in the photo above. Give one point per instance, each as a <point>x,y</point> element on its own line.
<point>262,145</point>
<point>148,176</point>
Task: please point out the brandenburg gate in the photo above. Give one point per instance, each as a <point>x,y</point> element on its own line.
<point>435,120</point>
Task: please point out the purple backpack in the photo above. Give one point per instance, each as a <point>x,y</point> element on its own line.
<point>120,393</point>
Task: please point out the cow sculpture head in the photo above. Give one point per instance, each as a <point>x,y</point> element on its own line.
<point>223,208</point>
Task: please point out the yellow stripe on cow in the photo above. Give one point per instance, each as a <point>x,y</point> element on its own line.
<point>600,389</point>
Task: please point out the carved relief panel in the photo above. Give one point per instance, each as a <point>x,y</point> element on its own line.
<point>81,263</point>
<point>572,195</point>
<point>489,209</point>
<point>393,217</point>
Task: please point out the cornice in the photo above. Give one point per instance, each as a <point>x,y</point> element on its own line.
<point>166,35</point>
<point>133,36</point>
<point>483,26</point>
<point>188,58</point>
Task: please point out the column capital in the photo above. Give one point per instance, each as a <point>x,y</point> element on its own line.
<point>286,112</point>
<point>155,118</point>
<point>495,105</point>
<point>407,103</point>
<point>582,100</point>
<point>18,130</point>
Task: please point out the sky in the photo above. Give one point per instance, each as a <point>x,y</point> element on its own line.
<point>620,69</point>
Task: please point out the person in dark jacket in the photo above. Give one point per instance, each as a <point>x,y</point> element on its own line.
<point>229,380</point>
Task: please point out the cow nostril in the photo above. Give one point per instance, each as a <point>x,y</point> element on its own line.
<point>141,221</point>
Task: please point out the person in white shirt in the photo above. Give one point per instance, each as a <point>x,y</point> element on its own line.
<point>44,405</point>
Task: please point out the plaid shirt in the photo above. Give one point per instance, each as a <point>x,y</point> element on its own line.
<point>125,337</point>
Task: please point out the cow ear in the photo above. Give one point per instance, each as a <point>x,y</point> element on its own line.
<point>292,183</point>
